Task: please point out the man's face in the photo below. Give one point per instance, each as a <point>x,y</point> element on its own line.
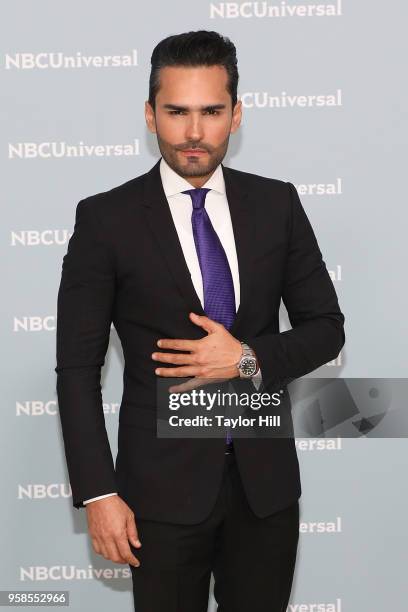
<point>193,119</point>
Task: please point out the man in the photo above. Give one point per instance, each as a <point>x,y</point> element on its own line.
<point>189,261</point>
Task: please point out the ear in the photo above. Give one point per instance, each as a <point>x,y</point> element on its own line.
<point>150,117</point>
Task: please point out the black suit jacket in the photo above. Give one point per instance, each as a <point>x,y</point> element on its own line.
<point>125,265</point>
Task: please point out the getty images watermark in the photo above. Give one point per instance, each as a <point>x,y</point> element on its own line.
<point>208,408</point>
<point>210,400</point>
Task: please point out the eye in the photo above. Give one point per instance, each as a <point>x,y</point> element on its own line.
<point>211,111</point>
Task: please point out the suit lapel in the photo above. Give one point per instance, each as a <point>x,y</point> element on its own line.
<point>160,222</point>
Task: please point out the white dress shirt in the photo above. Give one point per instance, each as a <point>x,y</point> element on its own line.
<point>216,205</point>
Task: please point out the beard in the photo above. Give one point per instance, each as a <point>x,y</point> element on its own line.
<point>199,166</point>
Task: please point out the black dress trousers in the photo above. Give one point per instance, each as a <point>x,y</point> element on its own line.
<point>252,559</point>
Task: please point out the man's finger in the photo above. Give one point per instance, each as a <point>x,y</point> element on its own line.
<point>206,323</point>
<point>125,552</point>
<point>113,552</point>
<point>179,372</point>
<point>132,532</point>
<point>177,358</point>
<point>178,343</point>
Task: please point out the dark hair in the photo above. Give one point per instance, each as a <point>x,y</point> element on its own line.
<point>200,48</point>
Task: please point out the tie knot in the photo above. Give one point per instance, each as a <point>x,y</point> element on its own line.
<point>197,196</point>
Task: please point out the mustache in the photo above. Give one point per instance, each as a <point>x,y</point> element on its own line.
<point>193,147</point>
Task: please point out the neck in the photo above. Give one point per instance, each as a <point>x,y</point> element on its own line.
<point>198,181</point>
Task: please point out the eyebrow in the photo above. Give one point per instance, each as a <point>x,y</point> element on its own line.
<point>185,108</point>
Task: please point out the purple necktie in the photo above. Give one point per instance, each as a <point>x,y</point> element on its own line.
<point>219,296</point>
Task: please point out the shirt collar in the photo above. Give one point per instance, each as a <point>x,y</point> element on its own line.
<point>173,183</point>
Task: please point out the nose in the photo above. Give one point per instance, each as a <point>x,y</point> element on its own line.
<point>194,127</point>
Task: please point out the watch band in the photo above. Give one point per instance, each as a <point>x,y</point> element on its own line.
<point>248,352</point>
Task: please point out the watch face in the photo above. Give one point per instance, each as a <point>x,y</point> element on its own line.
<point>248,366</point>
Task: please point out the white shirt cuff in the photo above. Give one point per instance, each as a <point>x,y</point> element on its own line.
<point>86,501</point>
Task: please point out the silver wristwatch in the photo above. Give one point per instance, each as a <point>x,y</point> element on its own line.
<point>248,364</point>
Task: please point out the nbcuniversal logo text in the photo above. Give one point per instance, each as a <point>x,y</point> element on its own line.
<point>316,607</point>
<point>38,408</point>
<point>262,99</point>
<point>261,10</point>
<point>44,491</point>
<point>46,150</point>
<point>335,275</point>
<point>37,573</point>
<point>321,526</point>
<point>31,238</point>
<point>36,323</point>
<point>57,60</point>
<point>335,362</point>
<point>318,444</point>
<point>335,188</point>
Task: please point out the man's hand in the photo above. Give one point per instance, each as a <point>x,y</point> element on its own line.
<point>214,356</point>
<point>111,524</point>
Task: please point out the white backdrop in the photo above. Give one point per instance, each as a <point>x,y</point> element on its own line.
<point>324,93</point>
